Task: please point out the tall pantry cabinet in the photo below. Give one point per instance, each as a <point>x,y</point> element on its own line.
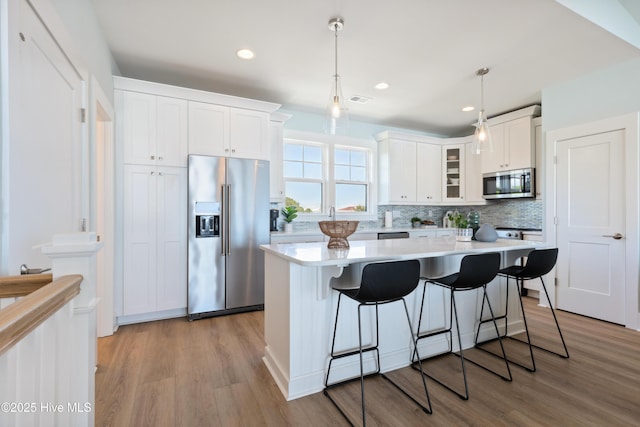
<point>157,127</point>
<point>152,131</point>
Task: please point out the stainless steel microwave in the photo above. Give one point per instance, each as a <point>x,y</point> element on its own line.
<point>509,184</point>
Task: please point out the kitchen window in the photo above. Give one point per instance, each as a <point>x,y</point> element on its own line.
<point>320,172</point>
<point>351,179</point>
<point>304,176</point>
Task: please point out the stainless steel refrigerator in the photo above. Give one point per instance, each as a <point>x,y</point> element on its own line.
<point>228,220</point>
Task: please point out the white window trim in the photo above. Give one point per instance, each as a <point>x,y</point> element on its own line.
<point>329,192</point>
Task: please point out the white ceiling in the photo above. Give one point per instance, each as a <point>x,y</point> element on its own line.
<point>427,50</point>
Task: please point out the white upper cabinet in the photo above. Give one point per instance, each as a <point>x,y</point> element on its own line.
<point>208,129</point>
<point>154,129</point>
<point>397,171</point>
<point>453,164</point>
<point>217,130</point>
<point>409,169</point>
<point>276,147</point>
<point>473,176</point>
<point>248,134</point>
<point>402,171</point>
<point>513,136</point>
<point>428,173</point>
<point>537,126</point>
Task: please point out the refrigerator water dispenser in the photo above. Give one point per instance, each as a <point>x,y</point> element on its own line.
<point>207,225</point>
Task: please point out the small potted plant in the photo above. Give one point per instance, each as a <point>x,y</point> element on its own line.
<point>463,231</point>
<point>289,213</point>
<point>415,222</point>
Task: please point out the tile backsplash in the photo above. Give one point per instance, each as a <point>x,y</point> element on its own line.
<point>519,213</point>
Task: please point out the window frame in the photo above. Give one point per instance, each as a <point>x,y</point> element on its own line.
<point>329,144</point>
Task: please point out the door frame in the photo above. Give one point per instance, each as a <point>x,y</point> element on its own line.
<point>629,124</point>
<point>101,110</point>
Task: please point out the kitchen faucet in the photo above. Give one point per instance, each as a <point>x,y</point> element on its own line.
<point>332,213</point>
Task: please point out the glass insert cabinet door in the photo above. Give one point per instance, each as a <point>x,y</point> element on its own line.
<point>453,165</point>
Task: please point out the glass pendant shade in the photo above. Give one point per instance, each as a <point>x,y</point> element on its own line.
<point>482,136</point>
<point>336,116</point>
<point>336,113</point>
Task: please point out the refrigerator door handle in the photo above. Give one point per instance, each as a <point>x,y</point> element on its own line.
<point>228,212</point>
<point>223,230</point>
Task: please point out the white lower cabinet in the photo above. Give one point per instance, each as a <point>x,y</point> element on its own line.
<point>155,239</point>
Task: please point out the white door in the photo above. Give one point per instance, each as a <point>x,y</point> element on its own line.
<point>591,225</point>
<point>46,173</point>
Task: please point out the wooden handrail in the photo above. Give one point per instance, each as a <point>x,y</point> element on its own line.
<point>19,286</point>
<point>24,315</point>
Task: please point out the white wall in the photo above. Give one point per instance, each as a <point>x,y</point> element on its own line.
<point>310,122</point>
<point>611,92</point>
<point>75,27</point>
<point>79,18</point>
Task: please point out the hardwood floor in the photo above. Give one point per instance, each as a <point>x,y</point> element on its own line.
<point>210,373</point>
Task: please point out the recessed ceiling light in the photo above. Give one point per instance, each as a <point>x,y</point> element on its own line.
<point>468,108</point>
<point>382,86</point>
<point>245,54</point>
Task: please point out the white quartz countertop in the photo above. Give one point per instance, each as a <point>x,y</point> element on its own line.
<point>317,254</point>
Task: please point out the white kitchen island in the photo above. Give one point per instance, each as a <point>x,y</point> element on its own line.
<point>300,305</point>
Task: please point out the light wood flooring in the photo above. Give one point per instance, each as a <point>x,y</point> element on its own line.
<point>210,373</point>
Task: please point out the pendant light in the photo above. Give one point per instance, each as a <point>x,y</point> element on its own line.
<point>482,136</point>
<point>337,116</point>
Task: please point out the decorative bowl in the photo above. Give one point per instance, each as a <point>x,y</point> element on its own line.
<point>338,231</point>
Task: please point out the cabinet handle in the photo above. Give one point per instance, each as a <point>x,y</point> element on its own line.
<point>160,173</point>
<point>233,150</point>
<point>153,157</point>
<point>151,173</point>
<point>226,150</point>
<point>160,158</point>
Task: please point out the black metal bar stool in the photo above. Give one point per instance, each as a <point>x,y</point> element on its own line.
<point>539,262</point>
<point>382,283</point>
<point>476,271</point>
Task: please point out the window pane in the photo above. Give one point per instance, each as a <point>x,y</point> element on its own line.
<point>313,170</point>
<point>342,157</point>
<point>306,195</point>
<point>351,197</point>
<point>292,152</point>
<point>358,158</point>
<point>292,169</point>
<point>342,173</point>
<point>312,154</point>
<point>358,173</point>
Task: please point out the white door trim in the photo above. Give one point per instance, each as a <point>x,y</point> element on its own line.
<point>630,125</point>
<point>101,110</point>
